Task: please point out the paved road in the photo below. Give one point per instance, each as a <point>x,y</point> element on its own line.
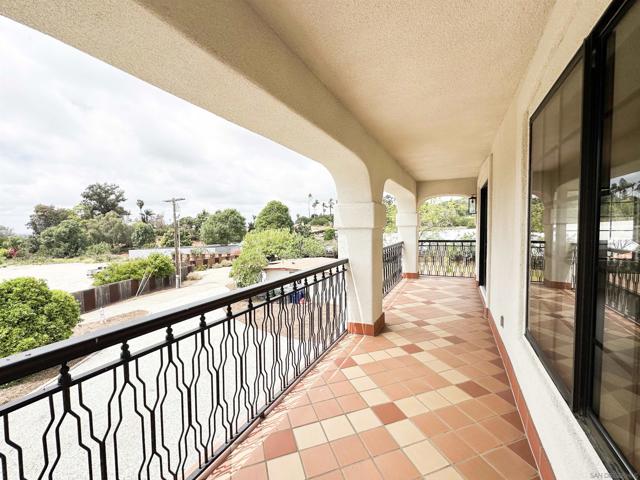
<point>213,282</point>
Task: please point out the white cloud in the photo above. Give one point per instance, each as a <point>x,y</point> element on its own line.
<point>69,120</point>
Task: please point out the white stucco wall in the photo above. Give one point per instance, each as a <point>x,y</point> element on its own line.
<point>565,443</point>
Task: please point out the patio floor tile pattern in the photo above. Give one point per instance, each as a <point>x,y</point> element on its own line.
<point>428,398</point>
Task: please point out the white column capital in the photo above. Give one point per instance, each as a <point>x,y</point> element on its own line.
<point>366,215</point>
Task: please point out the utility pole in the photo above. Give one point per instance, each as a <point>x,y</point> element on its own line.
<point>176,240</point>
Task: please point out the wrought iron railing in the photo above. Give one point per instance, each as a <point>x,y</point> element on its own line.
<point>165,395</point>
<point>622,277</point>
<point>536,261</point>
<point>392,266</point>
<point>623,286</point>
<point>448,258</point>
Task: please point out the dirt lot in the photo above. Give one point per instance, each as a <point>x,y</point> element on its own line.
<point>70,277</point>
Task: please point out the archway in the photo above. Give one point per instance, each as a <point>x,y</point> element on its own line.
<point>447,237</point>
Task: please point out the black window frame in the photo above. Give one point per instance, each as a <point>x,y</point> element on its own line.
<point>558,382</point>
<point>593,53</point>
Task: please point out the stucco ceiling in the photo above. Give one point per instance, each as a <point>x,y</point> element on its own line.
<point>430,79</point>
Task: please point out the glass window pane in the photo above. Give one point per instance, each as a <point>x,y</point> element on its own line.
<point>617,356</point>
<point>553,217</point>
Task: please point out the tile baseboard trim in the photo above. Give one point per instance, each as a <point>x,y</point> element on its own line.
<point>368,328</point>
<point>539,454</point>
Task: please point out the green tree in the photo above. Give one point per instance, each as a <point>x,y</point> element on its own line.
<point>142,234</point>
<point>167,239</point>
<point>147,216</point>
<point>45,216</point>
<point>32,315</point>
<point>68,239</point>
<point>188,224</point>
<point>537,211</point>
<point>246,269</point>
<point>437,214</point>
<point>110,228</point>
<point>199,219</point>
<point>224,227</point>
<point>275,215</point>
<point>260,247</point>
<point>102,198</point>
<point>391,210</point>
<point>302,226</point>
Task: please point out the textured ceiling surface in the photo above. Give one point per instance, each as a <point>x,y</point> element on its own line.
<point>430,79</point>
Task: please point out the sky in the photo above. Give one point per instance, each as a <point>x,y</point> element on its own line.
<point>68,120</point>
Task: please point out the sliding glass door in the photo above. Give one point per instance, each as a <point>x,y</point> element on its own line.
<point>616,387</point>
<point>553,225</point>
<point>583,295</point>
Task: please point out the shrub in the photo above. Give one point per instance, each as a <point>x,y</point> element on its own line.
<point>160,265</point>
<point>32,315</point>
<point>247,267</point>
<point>259,247</point>
<point>98,249</point>
<point>194,276</point>
<point>321,221</point>
<point>156,265</point>
<point>329,234</point>
<point>4,253</point>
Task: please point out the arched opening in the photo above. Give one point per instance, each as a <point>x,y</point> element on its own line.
<point>447,237</point>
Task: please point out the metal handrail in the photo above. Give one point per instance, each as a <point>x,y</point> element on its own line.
<point>447,258</point>
<point>391,266</point>
<point>26,363</point>
<point>191,392</point>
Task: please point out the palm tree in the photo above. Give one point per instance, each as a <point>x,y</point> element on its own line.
<point>315,205</point>
<point>324,208</point>
<point>140,204</point>
<point>331,203</point>
<point>147,215</point>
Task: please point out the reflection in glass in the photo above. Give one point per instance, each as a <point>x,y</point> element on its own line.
<point>617,355</point>
<point>553,220</point>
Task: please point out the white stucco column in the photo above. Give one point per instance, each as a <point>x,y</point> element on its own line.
<point>407,223</point>
<point>360,227</point>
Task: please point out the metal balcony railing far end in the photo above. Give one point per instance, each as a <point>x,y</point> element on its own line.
<point>166,395</point>
<point>447,258</point>
<point>391,266</point>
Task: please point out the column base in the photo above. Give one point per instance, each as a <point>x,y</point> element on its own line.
<point>410,275</point>
<point>367,328</point>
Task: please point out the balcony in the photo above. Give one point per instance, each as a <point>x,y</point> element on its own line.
<point>265,382</point>
<point>365,368</point>
<point>427,398</point>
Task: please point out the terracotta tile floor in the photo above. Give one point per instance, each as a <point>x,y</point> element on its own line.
<point>428,398</point>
